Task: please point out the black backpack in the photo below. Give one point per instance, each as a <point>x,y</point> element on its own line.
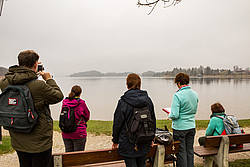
<point>17,111</point>
<point>67,122</point>
<point>163,136</point>
<point>140,128</point>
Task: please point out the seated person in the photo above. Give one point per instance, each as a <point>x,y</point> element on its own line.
<point>216,125</point>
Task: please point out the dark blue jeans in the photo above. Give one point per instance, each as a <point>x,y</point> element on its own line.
<point>135,162</point>
<point>74,144</point>
<point>185,157</point>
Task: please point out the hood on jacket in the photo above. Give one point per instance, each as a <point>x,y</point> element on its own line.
<point>20,75</point>
<point>71,103</point>
<point>136,97</point>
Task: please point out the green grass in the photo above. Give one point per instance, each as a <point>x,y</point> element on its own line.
<point>240,163</point>
<point>56,126</point>
<point>100,127</point>
<point>244,122</point>
<point>105,127</point>
<point>5,147</point>
<point>94,127</point>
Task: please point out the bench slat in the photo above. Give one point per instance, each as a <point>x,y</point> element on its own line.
<point>208,151</point>
<point>214,141</point>
<point>88,157</point>
<point>106,164</point>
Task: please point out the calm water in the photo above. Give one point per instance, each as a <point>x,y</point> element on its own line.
<point>102,94</point>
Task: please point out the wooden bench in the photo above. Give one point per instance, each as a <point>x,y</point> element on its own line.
<point>217,148</point>
<point>110,157</point>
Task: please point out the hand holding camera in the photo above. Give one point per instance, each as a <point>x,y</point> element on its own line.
<point>45,75</point>
<point>40,67</point>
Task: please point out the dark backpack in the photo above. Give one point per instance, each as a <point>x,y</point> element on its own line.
<point>67,121</point>
<point>231,124</point>
<point>140,128</point>
<point>163,136</point>
<point>17,111</point>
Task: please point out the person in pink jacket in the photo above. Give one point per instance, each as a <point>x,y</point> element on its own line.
<point>76,141</point>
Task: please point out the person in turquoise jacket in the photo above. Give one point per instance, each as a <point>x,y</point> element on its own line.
<point>183,110</point>
<point>216,126</point>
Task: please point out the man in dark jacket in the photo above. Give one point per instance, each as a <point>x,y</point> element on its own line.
<point>34,149</point>
<point>132,98</point>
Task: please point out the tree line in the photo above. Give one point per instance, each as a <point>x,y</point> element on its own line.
<point>194,71</point>
<point>199,72</point>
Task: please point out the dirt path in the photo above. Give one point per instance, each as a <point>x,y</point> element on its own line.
<point>104,142</point>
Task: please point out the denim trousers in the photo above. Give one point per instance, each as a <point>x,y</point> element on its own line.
<point>185,156</point>
<point>74,144</point>
<point>135,162</point>
<point>42,159</point>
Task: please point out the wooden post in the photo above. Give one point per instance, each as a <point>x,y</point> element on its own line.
<point>159,156</point>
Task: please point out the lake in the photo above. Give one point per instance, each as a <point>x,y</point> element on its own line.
<point>102,93</point>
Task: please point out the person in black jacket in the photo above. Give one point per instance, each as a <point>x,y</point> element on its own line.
<point>132,98</point>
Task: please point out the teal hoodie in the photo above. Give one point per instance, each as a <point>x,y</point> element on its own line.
<point>183,109</point>
<point>215,126</point>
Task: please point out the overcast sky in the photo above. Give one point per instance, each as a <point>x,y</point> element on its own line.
<point>116,36</point>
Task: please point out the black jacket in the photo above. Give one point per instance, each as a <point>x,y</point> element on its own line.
<point>124,110</point>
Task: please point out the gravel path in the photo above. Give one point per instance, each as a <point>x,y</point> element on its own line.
<point>104,142</point>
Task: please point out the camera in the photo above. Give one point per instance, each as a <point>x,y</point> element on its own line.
<point>40,67</point>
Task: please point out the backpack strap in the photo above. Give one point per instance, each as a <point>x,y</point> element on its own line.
<point>221,117</point>
<point>80,121</point>
<point>218,116</point>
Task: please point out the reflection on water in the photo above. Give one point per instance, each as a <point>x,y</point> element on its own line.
<point>102,94</point>
<point>218,80</point>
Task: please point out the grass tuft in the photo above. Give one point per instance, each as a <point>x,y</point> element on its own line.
<point>240,163</point>
<point>5,147</point>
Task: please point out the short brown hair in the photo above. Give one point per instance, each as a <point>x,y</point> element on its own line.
<point>182,78</point>
<point>133,81</point>
<point>217,108</point>
<point>75,91</point>
<point>27,58</point>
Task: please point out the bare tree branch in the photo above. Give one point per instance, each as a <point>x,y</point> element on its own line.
<point>153,8</point>
<point>1,6</point>
<point>147,3</point>
<point>155,2</point>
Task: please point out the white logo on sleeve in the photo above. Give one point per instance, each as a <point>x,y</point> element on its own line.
<point>13,101</point>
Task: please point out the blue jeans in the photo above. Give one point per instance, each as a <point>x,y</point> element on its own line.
<point>135,162</point>
<point>74,144</point>
<point>185,156</point>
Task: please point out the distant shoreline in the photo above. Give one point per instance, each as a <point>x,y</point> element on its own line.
<point>219,76</point>
<point>227,76</point>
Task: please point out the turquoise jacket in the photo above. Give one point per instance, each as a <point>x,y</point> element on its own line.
<point>184,108</point>
<point>215,126</point>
